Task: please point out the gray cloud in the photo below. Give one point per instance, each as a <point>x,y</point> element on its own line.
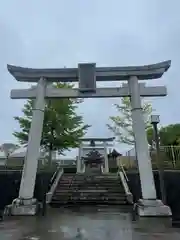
<point>63,33</point>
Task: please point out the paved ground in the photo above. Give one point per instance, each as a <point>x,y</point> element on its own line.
<point>93,223</point>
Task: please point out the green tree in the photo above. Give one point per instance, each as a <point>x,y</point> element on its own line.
<point>169,135</point>
<point>150,135</point>
<point>121,125</point>
<point>62,128</point>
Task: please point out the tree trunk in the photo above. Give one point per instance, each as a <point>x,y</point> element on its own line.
<point>51,149</point>
<point>50,155</point>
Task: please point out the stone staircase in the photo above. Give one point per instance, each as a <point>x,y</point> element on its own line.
<point>95,189</point>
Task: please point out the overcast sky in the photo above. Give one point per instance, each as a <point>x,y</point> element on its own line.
<point>58,33</point>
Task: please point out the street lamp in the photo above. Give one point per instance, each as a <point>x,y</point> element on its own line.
<point>154,121</point>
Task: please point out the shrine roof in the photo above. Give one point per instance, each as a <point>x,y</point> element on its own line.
<point>93,155</point>
<point>145,72</point>
<point>114,153</point>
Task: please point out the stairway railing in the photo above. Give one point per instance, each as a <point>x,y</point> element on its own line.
<point>54,180</point>
<point>124,180</point>
<point>54,176</point>
<point>124,172</point>
<point>102,169</point>
<point>83,168</point>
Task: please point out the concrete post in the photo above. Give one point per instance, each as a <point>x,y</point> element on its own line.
<point>33,150</point>
<point>106,158</point>
<point>144,161</point>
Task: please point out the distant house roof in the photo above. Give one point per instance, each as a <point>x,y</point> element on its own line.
<point>7,148</point>
<point>20,152</point>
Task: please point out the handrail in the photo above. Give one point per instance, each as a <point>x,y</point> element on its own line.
<point>122,168</point>
<point>124,179</point>
<point>84,169</point>
<point>54,175</point>
<point>73,178</point>
<point>49,195</point>
<point>102,169</point>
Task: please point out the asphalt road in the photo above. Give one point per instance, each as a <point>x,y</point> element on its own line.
<point>87,223</point>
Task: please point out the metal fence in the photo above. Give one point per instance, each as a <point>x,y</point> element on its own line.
<point>169,157</point>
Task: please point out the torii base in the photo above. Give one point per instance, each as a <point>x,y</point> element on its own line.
<point>152,208</point>
<point>23,207</point>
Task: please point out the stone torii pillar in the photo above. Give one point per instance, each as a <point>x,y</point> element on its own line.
<point>87,75</point>
<point>30,167</point>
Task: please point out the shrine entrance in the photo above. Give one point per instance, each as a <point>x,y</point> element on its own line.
<point>93,162</point>
<point>87,74</point>
<point>93,154</point>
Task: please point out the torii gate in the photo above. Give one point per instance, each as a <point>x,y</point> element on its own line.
<point>101,144</point>
<point>87,74</point>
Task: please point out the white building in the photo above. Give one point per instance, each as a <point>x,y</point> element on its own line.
<point>2,158</point>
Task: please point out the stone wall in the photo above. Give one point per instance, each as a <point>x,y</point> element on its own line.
<point>128,162</point>
<point>112,162</point>
<point>10,182</point>
<point>172,185</point>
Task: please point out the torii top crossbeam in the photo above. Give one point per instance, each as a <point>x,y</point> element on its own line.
<point>152,71</point>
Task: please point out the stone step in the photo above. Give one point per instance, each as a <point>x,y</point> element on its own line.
<point>100,187</point>
<point>94,183</point>
<point>96,177</point>
<point>97,183</point>
<point>99,178</point>
<point>76,191</point>
<point>89,202</point>
<point>86,192</point>
<point>111,191</point>
<point>95,190</point>
<point>91,183</point>
<point>83,185</point>
<point>115,184</point>
<point>118,190</point>
<point>89,198</point>
<point>67,177</point>
<point>113,188</point>
<point>64,183</point>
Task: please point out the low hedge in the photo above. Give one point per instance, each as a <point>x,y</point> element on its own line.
<point>69,170</point>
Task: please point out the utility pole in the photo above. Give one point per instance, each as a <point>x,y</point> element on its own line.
<point>154,121</point>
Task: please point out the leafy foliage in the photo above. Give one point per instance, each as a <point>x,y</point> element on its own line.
<point>62,128</point>
<point>169,135</point>
<point>121,125</point>
<point>150,135</point>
